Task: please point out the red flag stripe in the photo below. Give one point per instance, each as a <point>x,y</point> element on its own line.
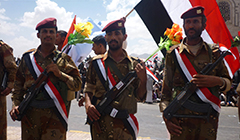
<point>70,31</point>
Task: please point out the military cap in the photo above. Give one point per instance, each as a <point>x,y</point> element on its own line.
<point>193,12</point>
<point>114,25</point>
<point>47,23</point>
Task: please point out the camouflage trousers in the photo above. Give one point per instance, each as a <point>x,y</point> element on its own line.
<point>112,129</point>
<point>3,118</point>
<point>197,129</point>
<point>42,124</point>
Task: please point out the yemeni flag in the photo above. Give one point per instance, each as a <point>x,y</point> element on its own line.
<point>161,14</point>
<point>70,31</point>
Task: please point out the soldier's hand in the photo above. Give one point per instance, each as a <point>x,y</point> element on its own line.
<point>6,91</point>
<point>92,112</point>
<point>54,68</point>
<point>206,80</point>
<point>13,113</point>
<point>141,71</point>
<point>81,101</point>
<point>172,128</point>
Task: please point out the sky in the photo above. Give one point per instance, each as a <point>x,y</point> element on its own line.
<point>18,19</point>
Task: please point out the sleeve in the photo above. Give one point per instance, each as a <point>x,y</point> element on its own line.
<point>90,85</point>
<point>19,88</point>
<point>70,74</point>
<point>9,64</point>
<point>167,82</point>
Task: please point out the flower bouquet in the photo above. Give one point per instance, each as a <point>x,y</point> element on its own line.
<point>236,40</point>
<point>81,34</point>
<point>172,37</point>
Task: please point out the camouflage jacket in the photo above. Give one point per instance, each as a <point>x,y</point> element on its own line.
<point>70,77</point>
<point>7,62</point>
<point>173,82</point>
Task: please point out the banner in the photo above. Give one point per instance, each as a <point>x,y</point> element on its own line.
<point>160,14</point>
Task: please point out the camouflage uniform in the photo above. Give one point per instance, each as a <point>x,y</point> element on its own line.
<point>113,128</point>
<point>42,123</point>
<point>173,84</point>
<point>6,61</point>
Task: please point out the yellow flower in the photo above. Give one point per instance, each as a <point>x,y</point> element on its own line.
<point>84,28</point>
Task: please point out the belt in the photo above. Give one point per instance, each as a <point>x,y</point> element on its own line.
<point>42,104</point>
<point>200,108</point>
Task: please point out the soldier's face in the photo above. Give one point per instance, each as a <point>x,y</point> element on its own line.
<point>96,48</point>
<point>193,27</point>
<point>47,36</point>
<point>115,39</point>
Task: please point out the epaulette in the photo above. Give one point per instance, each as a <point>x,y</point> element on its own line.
<point>214,47</point>
<point>134,58</point>
<point>172,48</point>
<point>98,57</point>
<point>29,51</point>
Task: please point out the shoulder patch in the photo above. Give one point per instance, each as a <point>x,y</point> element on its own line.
<point>29,51</point>
<point>172,48</point>
<point>98,57</point>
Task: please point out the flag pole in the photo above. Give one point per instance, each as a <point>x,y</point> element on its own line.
<point>129,13</point>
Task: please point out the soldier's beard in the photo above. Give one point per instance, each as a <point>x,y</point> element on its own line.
<point>194,36</point>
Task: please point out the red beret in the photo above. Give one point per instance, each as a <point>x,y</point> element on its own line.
<point>47,23</point>
<point>193,12</point>
<point>114,25</point>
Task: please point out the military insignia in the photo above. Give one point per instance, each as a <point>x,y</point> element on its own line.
<point>120,24</point>
<point>54,22</point>
<point>199,11</point>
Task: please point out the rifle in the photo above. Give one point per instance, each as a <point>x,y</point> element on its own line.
<point>189,89</point>
<point>114,93</point>
<point>4,81</point>
<point>34,90</point>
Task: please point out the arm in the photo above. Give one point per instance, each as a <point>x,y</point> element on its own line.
<point>66,71</point>
<point>11,67</point>
<point>172,126</point>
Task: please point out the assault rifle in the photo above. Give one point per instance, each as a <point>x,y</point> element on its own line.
<point>4,81</point>
<point>189,89</point>
<point>33,91</point>
<point>114,93</point>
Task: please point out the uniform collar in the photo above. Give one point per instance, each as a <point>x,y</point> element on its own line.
<point>54,52</point>
<point>184,47</point>
<point>109,55</point>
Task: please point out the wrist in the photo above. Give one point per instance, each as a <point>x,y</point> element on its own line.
<point>223,84</point>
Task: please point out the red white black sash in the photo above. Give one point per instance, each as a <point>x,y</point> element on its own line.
<point>51,90</point>
<point>131,120</point>
<point>203,93</point>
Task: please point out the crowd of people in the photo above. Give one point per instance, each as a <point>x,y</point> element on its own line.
<point>110,84</point>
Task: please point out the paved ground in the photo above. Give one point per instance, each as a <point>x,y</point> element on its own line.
<point>14,133</point>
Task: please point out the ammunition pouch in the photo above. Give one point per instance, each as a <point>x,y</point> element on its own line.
<point>42,104</point>
<point>203,108</point>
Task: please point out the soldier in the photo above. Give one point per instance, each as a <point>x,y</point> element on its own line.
<point>99,48</point>
<point>111,126</point>
<point>198,54</point>
<point>99,45</point>
<point>46,117</point>
<point>61,35</point>
<point>7,65</point>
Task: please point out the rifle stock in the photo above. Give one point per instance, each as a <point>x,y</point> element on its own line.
<point>4,81</point>
<point>189,89</point>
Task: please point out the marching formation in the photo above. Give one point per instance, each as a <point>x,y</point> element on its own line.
<point>47,80</point>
